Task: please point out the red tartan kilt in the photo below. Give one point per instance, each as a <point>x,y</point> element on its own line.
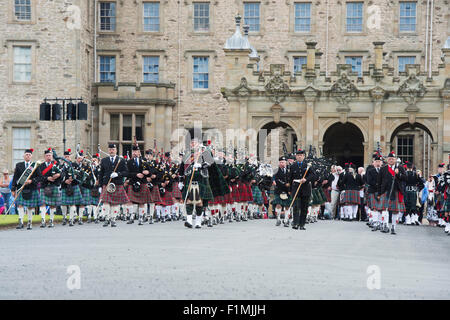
<point>351,197</point>
<point>245,193</point>
<point>218,200</point>
<point>391,205</point>
<point>228,198</point>
<point>176,193</point>
<point>143,196</point>
<point>264,195</point>
<point>235,193</point>
<point>166,199</point>
<point>373,203</point>
<point>116,198</point>
<point>327,194</point>
<point>154,195</point>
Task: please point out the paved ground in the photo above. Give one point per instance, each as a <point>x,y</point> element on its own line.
<point>246,260</point>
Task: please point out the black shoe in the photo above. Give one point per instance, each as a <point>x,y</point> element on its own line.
<point>210,224</point>
<point>278,223</point>
<point>130,221</point>
<point>20,226</point>
<point>375,228</point>
<point>96,221</point>
<point>70,223</point>
<point>295,227</point>
<point>163,220</point>
<point>385,229</point>
<point>64,221</point>
<point>51,225</point>
<point>113,224</point>
<point>198,227</point>
<point>140,223</point>
<point>188,225</point>
<point>29,226</point>
<point>43,224</point>
<point>80,223</point>
<point>106,223</point>
<point>393,231</point>
<point>302,228</point>
<point>286,224</point>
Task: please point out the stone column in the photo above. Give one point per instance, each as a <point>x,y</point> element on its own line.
<point>160,125</point>
<point>377,98</point>
<point>168,128</point>
<point>378,55</point>
<point>445,94</point>
<point>367,157</point>
<point>243,113</point>
<point>310,98</point>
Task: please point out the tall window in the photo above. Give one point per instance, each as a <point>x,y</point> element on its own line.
<point>201,16</point>
<point>407,16</point>
<point>200,73</point>
<point>107,69</point>
<point>107,16</point>
<point>123,128</point>
<point>22,64</point>
<point>403,61</point>
<point>251,15</point>
<point>354,16</point>
<point>405,148</point>
<point>22,10</point>
<point>298,62</point>
<point>356,63</point>
<point>151,69</point>
<point>21,142</point>
<point>302,17</point>
<point>151,16</point>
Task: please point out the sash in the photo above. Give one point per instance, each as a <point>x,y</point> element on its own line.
<point>392,172</point>
<point>47,169</point>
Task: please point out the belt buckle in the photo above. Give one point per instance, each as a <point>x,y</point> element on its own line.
<point>194,183</point>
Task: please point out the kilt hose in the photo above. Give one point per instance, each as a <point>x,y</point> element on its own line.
<point>75,199</point>
<point>351,197</point>
<point>235,193</point>
<point>245,192</point>
<point>141,197</point>
<point>391,205</point>
<point>86,196</point>
<point>54,200</point>
<point>166,199</point>
<point>34,201</point>
<point>284,203</point>
<point>154,195</point>
<point>115,198</point>
<point>176,193</point>
<point>257,195</point>
<point>410,201</point>
<point>373,203</point>
<point>327,194</point>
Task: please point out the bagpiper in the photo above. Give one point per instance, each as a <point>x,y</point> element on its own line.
<point>25,188</point>
<point>95,192</point>
<point>413,185</point>
<point>70,191</point>
<point>390,192</point>
<point>113,171</point>
<point>372,200</point>
<point>350,184</point>
<point>282,199</point>
<point>439,194</point>
<point>155,198</point>
<point>50,174</point>
<point>445,188</point>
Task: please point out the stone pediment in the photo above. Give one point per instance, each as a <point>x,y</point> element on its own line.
<point>343,90</point>
<point>243,89</point>
<point>411,90</point>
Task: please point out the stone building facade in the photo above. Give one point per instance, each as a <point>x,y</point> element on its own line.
<point>70,40</point>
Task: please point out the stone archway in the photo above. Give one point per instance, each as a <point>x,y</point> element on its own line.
<point>283,132</point>
<point>344,142</point>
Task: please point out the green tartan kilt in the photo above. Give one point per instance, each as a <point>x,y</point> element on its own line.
<point>34,201</point>
<point>257,195</point>
<point>75,199</point>
<point>316,197</point>
<point>284,203</point>
<point>204,189</point>
<point>322,195</point>
<point>54,200</point>
<point>447,205</point>
<point>86,196</point>
<point>410,200</point>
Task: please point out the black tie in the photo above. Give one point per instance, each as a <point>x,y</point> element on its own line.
<point>112,160</point>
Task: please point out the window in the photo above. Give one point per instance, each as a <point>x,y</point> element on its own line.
<point>107,69</point>
<point>21,142</point>
<point>107,16</point>
<point>407,16</point>
<point>354,16</point>
<point>200,74</point>
<point>356,63</point>
<point>22,64</point>
<point>151,16</point>
<point>201,16</point>
<point>298,62</point>
<point>22,10</point>
<point>302,17</point>
<point>151,69</point>
<point>251,16</point>
<point>403,61</point>
<point>124,127</point>
<point>405,148</point>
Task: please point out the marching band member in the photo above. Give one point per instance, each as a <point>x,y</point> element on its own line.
<point>282,199</point>
<point>372,201</point>
<point>351,184</point>
<point>413,185</point>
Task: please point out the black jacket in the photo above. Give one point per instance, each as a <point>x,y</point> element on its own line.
<point>106,168</point>
<point>133,170</point>
<point>297,172</point>
<point>281,179</point>
<point>20,168</point>
<point>371,178</point>
<point>48,173</point>
<point>385,178</point>
<point>349,182</point>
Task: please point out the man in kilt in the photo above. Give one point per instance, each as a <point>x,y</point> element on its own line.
<point>86,184</point>
<point>282,199</point>
<point>390,192</point>
<point>113,169</point>
<point>413,185</point>
<point>29,195</point>
<point>372,201</point>
<point>350,185</point>
<point>151,166</point>
<point>444,186</point>
<point>138,192</point>
<point>70,191</point>
<point>50,179</point>
<point>95,194</point>
<point>439,194</point>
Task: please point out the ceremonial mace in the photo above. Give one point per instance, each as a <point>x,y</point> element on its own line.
<point>300,184</point>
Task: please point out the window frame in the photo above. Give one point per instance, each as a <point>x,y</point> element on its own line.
<point>362,63</point>
<point>363,18</point>
<point>194,3</point>
<point>12,19</point>
<point>15,64</point>
<point>194,73</point>
<point>143,67</point>
<point>121,141</point>
<point>410,157</point>
<point>400,17</point>
<point>143,17</point>
<point>310,17</point>
<point>250,31</point>
<point>10,44</point>
<point>99,72</point>
<point>100,30</point>
<point>293,63</point>
<point>404,56</point>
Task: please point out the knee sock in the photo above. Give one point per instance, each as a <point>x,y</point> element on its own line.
<point>42,211</point>
<point>384,217</point>
<point>30,214</point>
<point>72,212</point>
<point>141,213</point>
<point>395,218</point>
<point>21,212</point>
<point>158,211</point>
<point>80,212</point>
<point>355,211</point>
<point>114,212</point>
<point>151,210</point>
<point>278,211</point>
<point>52,213</point>
<point>107,211</point>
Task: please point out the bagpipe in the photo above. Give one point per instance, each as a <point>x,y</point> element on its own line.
<point>321,165</point>
<point>264,175</point>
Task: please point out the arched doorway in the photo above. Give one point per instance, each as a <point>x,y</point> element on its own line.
<point>343,142</point>
<point>273,135</point>
<point>413,143</point>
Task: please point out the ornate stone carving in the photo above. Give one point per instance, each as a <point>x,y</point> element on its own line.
<point>377,93</point>
<point>242,90</point>
<point>411,90</point>
<point>343,90</point>
<point>445,92</point>
<point>276,111</point>
<point>277,89</point>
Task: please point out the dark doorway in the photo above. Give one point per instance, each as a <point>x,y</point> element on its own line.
<point>286,135</point>
<point>344,143</point>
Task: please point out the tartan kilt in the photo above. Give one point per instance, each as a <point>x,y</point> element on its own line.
<point>228,197</point>
<point>327,194</point>
<point>87,197</point>
<point>34,201</point>
<point>75,199</point>
<point>410,200</point>
<point>245,192</point>
<point>141,197</point>
<point>391,205</point>
<point>265,198</point>
<point>351,197</point>
<point>315,197</point>
<point>447,205</point>
<point>284,203</point>
<point>155,197</point>
<point>205,191</point>
<point>218,200</point>
<point>166,199</point>
<point>176,193</point>
<point>116,198</point>
<point>257,195</point>
<point>373,203</point>
<point>54,200</point>
<point>235,193</point>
